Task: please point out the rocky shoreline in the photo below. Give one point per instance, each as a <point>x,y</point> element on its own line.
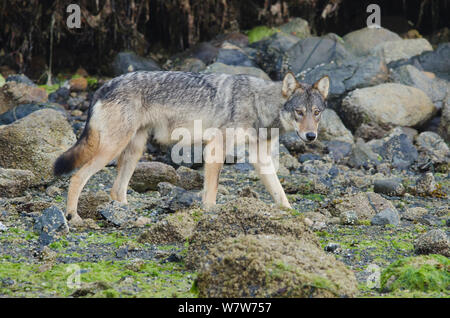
<point>370,199</point>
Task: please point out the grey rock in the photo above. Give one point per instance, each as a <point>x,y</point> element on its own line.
<point>387,216</point>
<point>414,214</point>
<point>148,174</point>
<point>189,179</point>
<point>399,151</point>
<point>363,156</point>
<point>426,184</point>
<point>126,62</point>
<point>433,242</point>
<point>234,58</point>
<point>179,199</point>
<point>23,110</point>
<point>297,27</point>
<point>436,61</point>
<point>402,49</point>
<point>332,128</point>
<point>436,89</point>
<point>34,142</point>
<point>362,42</point>
<point>51,225</point>
<point>20,78</point>
<point>236,70</point>
<point>444,127</point>
<point>433,146</point>
<point>391,187</point>
<point>14,182</point>
<point>191,65</point>
<point>386,105</point>
<point>312,52</point>
<point>338,149</point>
<point>332,247</point>
<point>117,213</point>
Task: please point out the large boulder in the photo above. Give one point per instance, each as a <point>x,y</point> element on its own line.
<point>14,93</point>
<point>348,75</point>
<point>387,105</point>
<point>235,57</point>
<point>235,70</point>
<point>243,216</point>
<point>433,242</point>
<point>147,175</point>
<point>438,90</point>
<point>436,61</point>
<point>332,128</point>
<point>312,52</point>
<point>269,51</point>
<point>361,42</point>
<point>297,27</point>
<point>34,142</point>
<point>273,266</point>
<point>402,49</point>
<point>126,62</point>
<point>14,182</point>
<point>23,110</point>
<point>365,204</point>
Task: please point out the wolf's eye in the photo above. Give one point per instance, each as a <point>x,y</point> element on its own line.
<point>299,113</point>
<point>316,112</point>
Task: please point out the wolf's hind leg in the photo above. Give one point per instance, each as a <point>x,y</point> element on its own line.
<point>214,158</point>
<point>127,163</point>
<point>107,151</point>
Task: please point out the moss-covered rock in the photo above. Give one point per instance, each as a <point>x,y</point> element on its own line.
<point>422,273</point>
<point>244,216</point>
<point>175,228</point>
<point>365,204</point>
<point>89,202</point>
<point>34,142</point>
<point>273,266</point>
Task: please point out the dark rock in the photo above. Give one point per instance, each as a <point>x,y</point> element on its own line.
<point>147,175</point>
<point>292,142</point>
<point>437,89</point>
<point>60,96</point>
<point>312,52</point>
<point>308,156</point>
<point>348,75</point>
<point>205,51</point>
<point>234,58</point>
<point>189,179</point>
<point>126,62</point>
<point>338,149</point>
<point>363,156</point>
<point>23,110</point>
<point>391,187</point>
<point>180,199</point>
<point>399,151</point>
<point>50,225</point>
<point>436,61</point>
<point>387,216</point>
<point>117,213</point>
<point>433,242</point>
<point>20,78</point>
<point>270,50</point>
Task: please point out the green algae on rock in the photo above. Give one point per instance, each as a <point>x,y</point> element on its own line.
<point>420,273</point>
<point>272,266</point>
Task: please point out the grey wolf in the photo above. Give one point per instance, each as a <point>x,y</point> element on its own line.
<point>125,110</point>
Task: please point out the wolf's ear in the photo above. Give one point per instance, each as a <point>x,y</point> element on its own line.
<point>289,84</point>
<point>323,85</point>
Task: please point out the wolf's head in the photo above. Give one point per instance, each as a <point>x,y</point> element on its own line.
<point>304,105</point>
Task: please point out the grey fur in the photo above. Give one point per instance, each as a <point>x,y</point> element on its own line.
<point>168,100</point>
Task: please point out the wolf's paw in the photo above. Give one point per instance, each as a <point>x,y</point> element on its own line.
<point>75,220</point>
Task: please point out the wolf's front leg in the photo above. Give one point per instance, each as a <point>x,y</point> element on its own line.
<point>214,158</point>
<point>267,173</point>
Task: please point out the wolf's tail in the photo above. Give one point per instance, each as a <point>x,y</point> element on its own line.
<point>80,153</point>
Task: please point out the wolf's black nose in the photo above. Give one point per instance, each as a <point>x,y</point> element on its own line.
<point>310,136</point>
